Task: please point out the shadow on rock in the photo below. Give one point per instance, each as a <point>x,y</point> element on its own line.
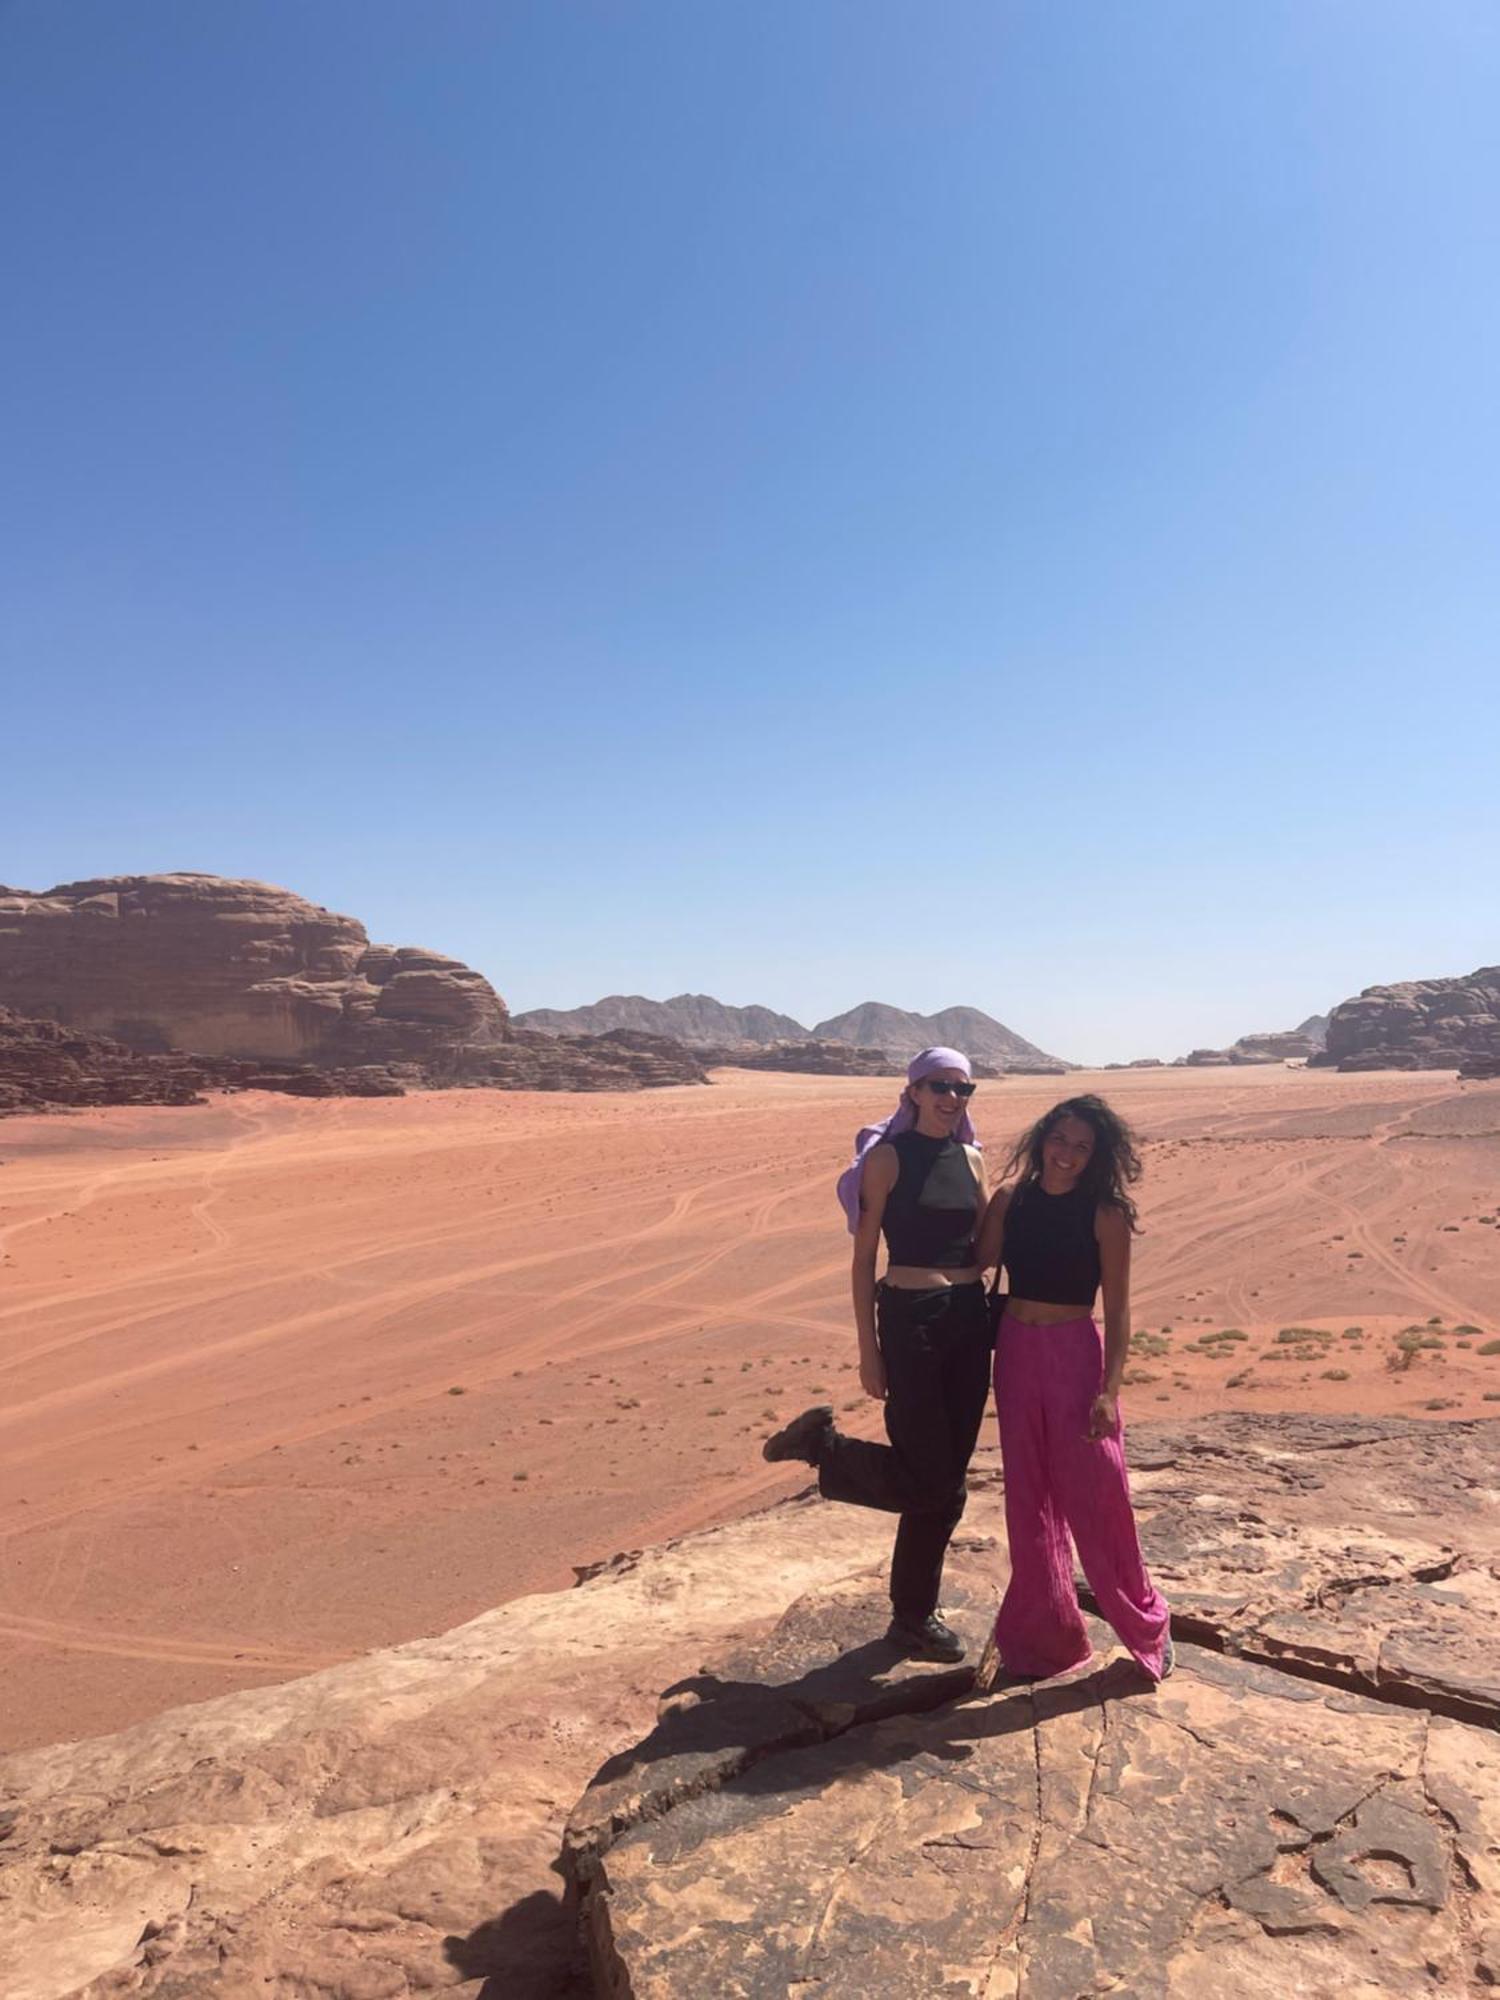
<point>528,1952</point>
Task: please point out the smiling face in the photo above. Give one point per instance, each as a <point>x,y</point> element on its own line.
<point>938,1111</point>
<point>1066,1151</point>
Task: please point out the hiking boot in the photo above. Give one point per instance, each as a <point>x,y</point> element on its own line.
<point>805,1437</point>
<point>1168,1659</point>
<point>930,1639</point>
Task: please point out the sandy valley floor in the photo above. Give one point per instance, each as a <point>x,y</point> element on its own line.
<point>284,1381</point>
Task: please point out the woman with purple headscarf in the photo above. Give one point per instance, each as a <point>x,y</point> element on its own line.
<point>924,1348</point>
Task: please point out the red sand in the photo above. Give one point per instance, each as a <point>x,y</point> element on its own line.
<point>231,1337</point>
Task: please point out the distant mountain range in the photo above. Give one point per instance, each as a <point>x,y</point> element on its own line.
<point>699,1020</point>
<point>695,1018</point>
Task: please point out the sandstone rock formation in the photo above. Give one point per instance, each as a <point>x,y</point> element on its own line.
<point>219,967</point>
<point>694,1018</point>
<point>1312,1803</point>
<point>807,1058</point>
<point>1310,1806</point>
<point>268,991</point>
<point>531,1060</point>
<point>874,1025</point>
<point>43,1065</point>
<point>1419,1024</point>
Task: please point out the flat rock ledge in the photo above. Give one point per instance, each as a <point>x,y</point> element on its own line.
<point>1310,1806</point>
<point>702,1775</point>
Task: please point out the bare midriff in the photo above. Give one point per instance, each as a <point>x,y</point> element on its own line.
<point>1042,1312</point>
<point>909,1278</point>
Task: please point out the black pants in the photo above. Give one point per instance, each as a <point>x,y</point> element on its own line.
<point>936,1349</point>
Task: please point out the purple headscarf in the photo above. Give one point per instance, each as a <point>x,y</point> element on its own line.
<point>902,1119</point>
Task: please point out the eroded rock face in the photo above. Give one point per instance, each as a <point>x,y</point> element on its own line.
<point>1420,1024</point>
<point>205,982</point>
<point>1307,1807</point>
<point>218,967</point>
<point>44,1066</point>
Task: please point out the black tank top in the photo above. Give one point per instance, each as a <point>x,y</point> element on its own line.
<point>1051,1254</point>
<point>930,1212</point>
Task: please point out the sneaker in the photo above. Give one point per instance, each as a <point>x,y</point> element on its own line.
<point>931,1639</point>
<point>1168,1659</point>
<point>805,1437</point>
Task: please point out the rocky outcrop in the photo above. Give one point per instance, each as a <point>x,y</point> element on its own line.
<point>694,1018</point>
<point>219,967</point>
<point>1312,1802</point>
<point>808,1058</point>
<point>257,985</point>
<point>531,1060</point>
<point>750,1795</point>
<point>873,1025</point>
<point>44,1066</point>
<point>1291,1046</point>
<point>1419,1024</point>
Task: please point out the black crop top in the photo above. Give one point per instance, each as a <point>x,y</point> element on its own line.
<point>931,1211</point>
<point>1051,1253</point>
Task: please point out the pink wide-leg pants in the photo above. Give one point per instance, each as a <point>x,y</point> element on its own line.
<point>1058,1482</point>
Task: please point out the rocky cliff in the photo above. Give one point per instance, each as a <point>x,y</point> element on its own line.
<point>220,967</point>
<point>704,1760</point>
<point>264,990</point>
<point>1420,1024</point>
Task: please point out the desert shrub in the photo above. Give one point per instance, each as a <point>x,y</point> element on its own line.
<point>1464,1327</point>
<point>1441,1403</point>
<point>1492,1395</point>
<point>1335,1375</point>
<point>1238,1381</point>
<point>1490,1347</point>
<point>1435,1320</point>
<point>1405,1351</point>
<point>1296,1335</point>
<point>1432,1340</point>
<point>1351,1331</point>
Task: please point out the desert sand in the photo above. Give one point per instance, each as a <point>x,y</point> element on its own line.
<point>288,1380</point>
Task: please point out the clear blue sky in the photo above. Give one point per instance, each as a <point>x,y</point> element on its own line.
<point>805,502</point>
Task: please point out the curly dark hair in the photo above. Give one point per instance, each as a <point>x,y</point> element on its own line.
<point>1114,1165</point>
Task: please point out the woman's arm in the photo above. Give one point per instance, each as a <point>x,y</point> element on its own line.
<point>1113,1233</point>
<point>991,1238</point>
<point>875,1186</point>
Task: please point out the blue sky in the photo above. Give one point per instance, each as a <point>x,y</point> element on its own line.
<point>807,502</point>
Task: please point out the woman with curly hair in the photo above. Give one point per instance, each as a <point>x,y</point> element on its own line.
<point>1061,1225</point>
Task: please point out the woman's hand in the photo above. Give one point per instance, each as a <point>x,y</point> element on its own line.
<point>1104,1416</point>
<point>872,1376</point>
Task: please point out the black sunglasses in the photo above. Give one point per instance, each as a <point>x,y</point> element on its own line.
<point>941,1087</point>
